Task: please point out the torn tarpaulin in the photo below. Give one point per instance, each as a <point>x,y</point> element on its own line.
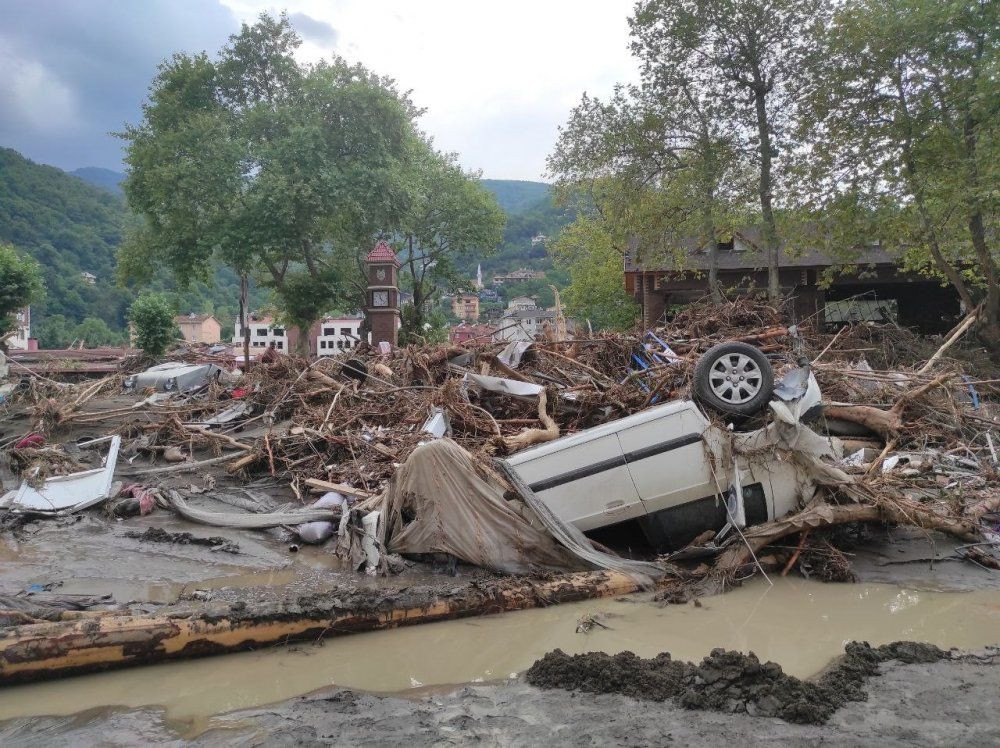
<point>440,501</point>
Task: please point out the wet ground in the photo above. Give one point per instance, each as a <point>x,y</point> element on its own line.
<point>912,586</point>
<point>801,625</point>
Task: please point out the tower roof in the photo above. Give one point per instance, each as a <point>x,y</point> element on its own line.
<point>382,253</point>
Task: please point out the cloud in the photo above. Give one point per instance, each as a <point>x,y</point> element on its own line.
<point>497,79</point>
<point>74,72</point>
<point>313,30</point>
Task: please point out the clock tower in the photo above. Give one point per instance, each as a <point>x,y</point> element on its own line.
<point>383,294</point>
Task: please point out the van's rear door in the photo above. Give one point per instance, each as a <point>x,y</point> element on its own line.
<point>582,478</point>
<point>666,456</point>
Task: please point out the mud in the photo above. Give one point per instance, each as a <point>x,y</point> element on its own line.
<point>728,681</point>
<point>801,625</point>
<point>159,535</point>
<point>953,701</point>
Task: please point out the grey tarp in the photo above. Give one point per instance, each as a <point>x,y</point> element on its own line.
<point>454,506</point>
<point>244,521</point>
<point>439,503</point>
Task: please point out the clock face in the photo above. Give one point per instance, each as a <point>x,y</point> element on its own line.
<point>380,298</point>
<point>380,274</point>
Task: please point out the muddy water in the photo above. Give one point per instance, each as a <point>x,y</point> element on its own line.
<point>799,624</point>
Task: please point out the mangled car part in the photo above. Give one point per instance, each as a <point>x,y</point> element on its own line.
<point>670,469</point>
<point>65,494</point>
<point>173,377</point>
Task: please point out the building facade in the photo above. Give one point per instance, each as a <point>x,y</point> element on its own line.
<point>199,328</point>
<point>465,306</point>
<point>475,334</point>
<point>521,304</point>
<point>333,335</point>
<point>265,333</point>
<point>21,339</point>
<point>809,279</point>
<point>517,276</point>
<point>523,324</point>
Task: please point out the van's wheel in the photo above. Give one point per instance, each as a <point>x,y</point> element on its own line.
<point>734,379</point>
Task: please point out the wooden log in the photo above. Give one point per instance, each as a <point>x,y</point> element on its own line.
<point>535,436</point>
<point>897,510</point>
<point>325,485</point>
<point>885,423</point>
<point>51,650</point>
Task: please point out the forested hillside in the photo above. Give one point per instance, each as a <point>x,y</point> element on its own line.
<point>530,213</point>
<point>516,195</point>
<point>103,178</point>
<point>72,228</point>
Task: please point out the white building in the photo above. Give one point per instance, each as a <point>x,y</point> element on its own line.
<point>264,333</point>
<point>523,324</point>
<point>521,304</point>
<point>22,327</point>
<point>337,334</point>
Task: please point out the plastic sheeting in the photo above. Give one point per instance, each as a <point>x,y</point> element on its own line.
<point>439,502</point>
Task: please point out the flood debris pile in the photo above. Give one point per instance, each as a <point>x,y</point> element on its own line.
<point>727,681</point>
<point>905,434</point>
<point>389,458</point>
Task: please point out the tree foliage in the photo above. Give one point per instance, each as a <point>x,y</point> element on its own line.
<point>595,292</point>
<point>153,320</point>
<point>450,216</point>
<point>904,107</point>
<point>279,169</point>
<point>20,284</point>
<point>94,333</point>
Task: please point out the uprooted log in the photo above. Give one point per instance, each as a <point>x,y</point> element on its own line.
<point>885,423</point>
<point>52,650</point>
<point>896,510</point>
<point>535,436</point>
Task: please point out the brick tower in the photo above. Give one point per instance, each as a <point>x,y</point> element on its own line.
<point>383,294</point>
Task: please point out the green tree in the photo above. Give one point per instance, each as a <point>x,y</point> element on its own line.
<point>450,216</point>
<point>94,332</point>
<point>53,332</point>
<point>153,319</point>
<point>904,125</point>
<point>595,291</point>
<point>744,60</point>
<point>20,285</point>
<point>281,170</point>
<point>655,163</point>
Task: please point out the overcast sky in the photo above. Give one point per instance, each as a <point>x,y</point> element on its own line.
<point>496,78</point>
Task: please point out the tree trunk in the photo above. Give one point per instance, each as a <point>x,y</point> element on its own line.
<point>988,328</point>
<point>245,318</point>
<point>916,189</point>
<point>52,650</point>
<point>708,226</point>
<point>770,231</point>
<point>897,511</point>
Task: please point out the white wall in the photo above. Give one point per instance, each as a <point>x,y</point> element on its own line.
<point>332,338</point>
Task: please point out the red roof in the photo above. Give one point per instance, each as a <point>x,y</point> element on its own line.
<point>382,253</point>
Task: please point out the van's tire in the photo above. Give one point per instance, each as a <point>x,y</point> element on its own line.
<point>734,379</point>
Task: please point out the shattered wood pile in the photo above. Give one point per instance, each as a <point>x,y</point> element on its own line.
<point>916,419</point>
<point>918,426</point>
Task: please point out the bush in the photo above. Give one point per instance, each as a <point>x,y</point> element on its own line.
<point>20,284</point>
<point>153,319</point>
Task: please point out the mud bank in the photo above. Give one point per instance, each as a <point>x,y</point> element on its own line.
<point>953,701</point>
<point>801,625</point>
<point>728,681</point>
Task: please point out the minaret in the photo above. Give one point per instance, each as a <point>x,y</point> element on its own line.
<point>479,277</point>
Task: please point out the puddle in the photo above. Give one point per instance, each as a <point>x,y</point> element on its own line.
<point>801,625</point>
